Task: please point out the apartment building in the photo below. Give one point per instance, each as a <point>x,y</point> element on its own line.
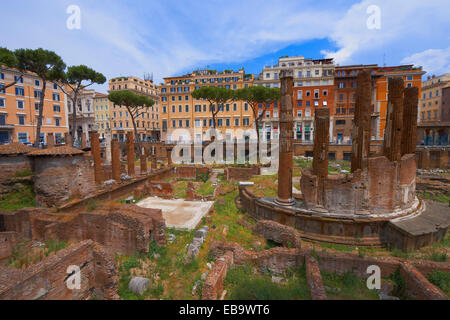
<point>148,124</point>
<point>19,108</point>
<point>430,106</point>
<point>345,99</point>
<point>101,112</point>
<point>313,88</point>
<point>184,118</point>
<point>85,115</point>
<point>412,77</point>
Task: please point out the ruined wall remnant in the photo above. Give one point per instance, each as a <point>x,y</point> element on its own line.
<point>115,155</point>
<point>130,153</point>
<point>61,173</point>
<point>95,147</point>
<point>361,127</point>
<point>394,124</point>
<point>409,130</point>
<point>279,233</point>
<point>46,280</point>
<point>285,161</point>
<point>321,141</point>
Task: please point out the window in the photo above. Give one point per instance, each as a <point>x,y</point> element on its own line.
<point>236,122</point>
<point>299,94</point>
<point>341,85</point>
<point>21,119</point>
<point>23,137</point>
<point>55,86</point>
<point>220,122</point>
<point>340,122</point>
<point>300,74</point>
<point>164,109</point>
<point>18,79</point>
<point>299,103</point>
<point>37,83</point>
<point>56,108</point>
<point>2,90</point>
<point>187,108</point>
<point>246,106</point>
<point>227,122</point>
<point>188,124</point>
<point>20,91</point>
<point>180,123</point>
<point>246,122</point>
<point>58,122</point>
<point>409,85</point>
<point>409,78</point>
<point>20,104</point>
<point>2,102</point>
<point>2,119</point>
<point>2,76</point>
<point>57,98</point>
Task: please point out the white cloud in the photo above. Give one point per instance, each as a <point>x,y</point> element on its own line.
<point>434,61</point>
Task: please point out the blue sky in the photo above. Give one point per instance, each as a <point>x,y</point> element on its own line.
<point>172,37</point>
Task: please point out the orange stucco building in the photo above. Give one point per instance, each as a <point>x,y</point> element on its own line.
<point>19,108</point>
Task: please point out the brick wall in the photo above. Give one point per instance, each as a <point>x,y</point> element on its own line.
<point>10,165</point>
<point>279,233</point>
<point>46,280</point>
<point>213,285</point>
<point>241,173</point>
<point>7,242</point>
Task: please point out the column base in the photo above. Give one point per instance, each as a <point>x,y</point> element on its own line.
<point>285,202</point>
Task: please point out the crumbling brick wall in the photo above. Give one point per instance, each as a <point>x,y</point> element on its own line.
<point>213,285</point>
<point>314,278</point>
<point>8,241</point>
<point>46,280</point>
<point>59,178</point>
<point>241,173</point>
<point>279,233</point>
<point>159,189</point>
<point>122,228</point>
<point>12,164</point>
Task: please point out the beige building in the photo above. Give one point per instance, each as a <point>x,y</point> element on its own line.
<point>102,117</point>
<point>85,115</point>
<point>430,105</point>
<point>189,119</point>
<point>147,124</point>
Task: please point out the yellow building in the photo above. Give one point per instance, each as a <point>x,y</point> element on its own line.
<point>19,108</point>
<point>430,106</point>
<point>148,123</point>
<point>102,115</point>
<point>188,119</point>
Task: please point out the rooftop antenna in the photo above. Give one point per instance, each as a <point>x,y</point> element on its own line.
<point>384,59</point>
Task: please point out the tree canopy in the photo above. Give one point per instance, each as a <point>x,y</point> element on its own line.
<point>135,104</point>
<point>257,94</point>
<point>215,95</point>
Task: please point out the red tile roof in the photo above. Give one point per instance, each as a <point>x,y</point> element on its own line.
<point>56,151</point>
<point>15,148</point>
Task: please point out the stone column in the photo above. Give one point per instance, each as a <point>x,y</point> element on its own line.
<point>68,139</point>
<point>83,141</point>
<point>361,128</point>
<point>285,140</point>
<point>108,137</point>
<point>394,120</point>
<point>169,155</point>
<point>130,153</point>
<point>154,162</point>
<point>409,130</point>
<point>143,164</point>
<point>50,140</point>
<point>320,150</point>
<point>115,155</point>
<point>95,149</point>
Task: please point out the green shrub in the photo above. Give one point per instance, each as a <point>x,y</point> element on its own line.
<point>438,256</point>
<point>202,176</point>
<point>24,173</point>
<point>399,285</point>
<point>440,279</point>
<point>157,290</point>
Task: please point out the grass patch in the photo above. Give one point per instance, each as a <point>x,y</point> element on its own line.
<point>337,247</point>
<point>179,189</point>
<point>243,284</point>
<point>23,173</point>
<point>347,287</point>
<point>440,279</point>
<point>439,197</point>
<point>437,256</point>
<point>206,189</point>
<point>18,199</point>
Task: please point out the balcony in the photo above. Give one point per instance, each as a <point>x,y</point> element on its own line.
<point>6,126</point>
